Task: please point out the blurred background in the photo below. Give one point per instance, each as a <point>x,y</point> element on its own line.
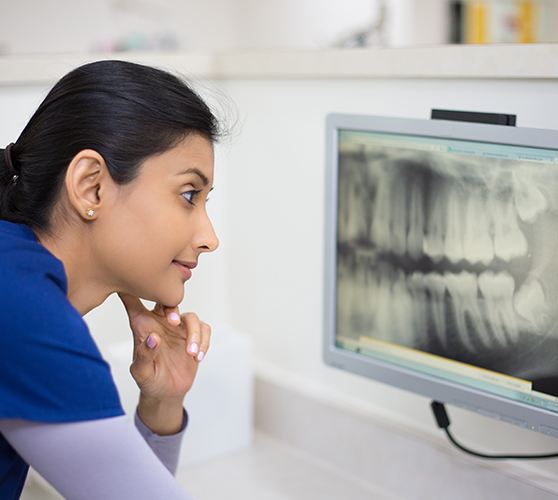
<point>268,418</point>
<point>215,25</point>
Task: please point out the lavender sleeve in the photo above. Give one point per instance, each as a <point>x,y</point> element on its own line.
<point>110,458</point>
<point>167,448</point>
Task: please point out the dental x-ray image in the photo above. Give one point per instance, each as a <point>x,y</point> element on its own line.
<point>452,255</point>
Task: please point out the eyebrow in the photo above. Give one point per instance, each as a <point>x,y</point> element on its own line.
<point>194,170</point>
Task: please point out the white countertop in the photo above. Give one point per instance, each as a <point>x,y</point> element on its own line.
<point>268,470</point>
<point>537,61</point>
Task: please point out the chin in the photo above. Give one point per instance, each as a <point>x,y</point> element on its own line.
<point>170,299</point>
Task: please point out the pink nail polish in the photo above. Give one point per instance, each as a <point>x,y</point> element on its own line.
<point>174,316</point>
<point>200,356</point>
<point>194,348</point>
<point>151,342</point>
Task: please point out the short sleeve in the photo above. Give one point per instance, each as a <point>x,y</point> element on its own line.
<point>51,370</point>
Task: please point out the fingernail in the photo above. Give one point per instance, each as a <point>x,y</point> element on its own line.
<point>151,342</point>
<point>174,316</point>
<point>200,356</point>
<point>194,347</point>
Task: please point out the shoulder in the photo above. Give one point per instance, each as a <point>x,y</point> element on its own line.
<point>33,286</point>
<point>23,259</point>
<point>50,366</point>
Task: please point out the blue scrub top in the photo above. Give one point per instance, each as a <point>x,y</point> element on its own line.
<point>51,370</point>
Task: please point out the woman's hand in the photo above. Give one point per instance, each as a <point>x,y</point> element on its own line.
<point>167,350</point>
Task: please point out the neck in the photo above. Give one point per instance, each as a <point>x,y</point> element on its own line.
<point>85,290</point>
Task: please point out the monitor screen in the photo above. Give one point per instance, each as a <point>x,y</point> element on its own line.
<point>441,274</point>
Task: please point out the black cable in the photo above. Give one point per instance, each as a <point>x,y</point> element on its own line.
<point>443,421</point>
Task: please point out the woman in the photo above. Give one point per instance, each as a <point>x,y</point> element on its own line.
<point>104,191</point>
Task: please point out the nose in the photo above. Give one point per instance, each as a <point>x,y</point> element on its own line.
<point>207,240</point>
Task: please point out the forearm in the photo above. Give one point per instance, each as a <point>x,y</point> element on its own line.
<point>165,446</point>
<point>94,459</point>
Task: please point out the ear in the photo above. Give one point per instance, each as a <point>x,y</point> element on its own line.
<point>86,182</point>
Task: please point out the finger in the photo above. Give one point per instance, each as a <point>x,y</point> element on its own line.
<point>132,304</point>
<point>204,343</point>
<point>193,329</point>
<point>171,313</point>
<point>142,368</point>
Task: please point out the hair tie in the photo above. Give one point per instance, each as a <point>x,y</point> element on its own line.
<point>9,162</point>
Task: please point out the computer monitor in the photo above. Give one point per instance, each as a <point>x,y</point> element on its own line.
<point>441,268</point>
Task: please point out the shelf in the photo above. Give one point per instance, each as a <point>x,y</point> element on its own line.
<point>537,61</point>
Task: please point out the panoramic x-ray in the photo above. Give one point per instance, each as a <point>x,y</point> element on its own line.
<point>451,255</point>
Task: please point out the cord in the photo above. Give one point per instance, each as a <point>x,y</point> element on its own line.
<point>443,421</point>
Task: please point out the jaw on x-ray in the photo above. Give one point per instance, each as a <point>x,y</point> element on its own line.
<point>451,255</point>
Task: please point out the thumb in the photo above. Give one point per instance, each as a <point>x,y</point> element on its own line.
<point>142,367</point>
<point>171,313</point>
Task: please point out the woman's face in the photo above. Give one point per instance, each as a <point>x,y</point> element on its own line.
<point>158,218</point>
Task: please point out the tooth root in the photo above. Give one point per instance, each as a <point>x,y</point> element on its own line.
<point>453,243</point>
<point>497,290</point>
<point>529,200</point>
<point>381,217</point>
<point>416,283</point>
<point>488,286</point>
<point>463,291</point>
<point>437,289</point>
<point>383,315</point>
<point>402,313</point>
<point>416,220</point>
<point>346,292</point>
<point>530,303</point>
<point>477,243</point>
<point>509,241</point>
<point>372,298</point>
<point>344,195</point>
<point>354,202</point>
<point>399,217</point>
<point>507,313</point>
<point>433,243</point>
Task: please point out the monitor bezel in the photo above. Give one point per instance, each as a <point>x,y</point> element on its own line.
<point>492,405</point>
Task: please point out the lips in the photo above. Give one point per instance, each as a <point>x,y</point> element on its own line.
<point>185,267</point>
<point>187,264</point>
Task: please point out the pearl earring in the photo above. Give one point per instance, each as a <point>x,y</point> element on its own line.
<point>90,212</point>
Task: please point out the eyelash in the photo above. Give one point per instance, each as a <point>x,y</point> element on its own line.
<point>196,192</point>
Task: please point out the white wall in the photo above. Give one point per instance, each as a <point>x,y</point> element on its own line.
<point>275,183</point>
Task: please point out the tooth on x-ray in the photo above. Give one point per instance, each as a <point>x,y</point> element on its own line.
<point>354,223</point>
<point>381,216</point>
<point>433,244</point>
<point>529,200</point>
<point>416,220</point>
<point>417,286</point>
<point>509,241</point>
<point>402,307</point>
<point>530,303</point>
<point>399,216</point>
<point>437,288</point>
<point>462,288</point>
<point>477,242</point>
<point>453,240</point>
<point>383,306</point>
<point>497,291</point>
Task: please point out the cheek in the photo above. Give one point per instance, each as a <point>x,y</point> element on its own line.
<point>139,241</point>
<point>140,249</point>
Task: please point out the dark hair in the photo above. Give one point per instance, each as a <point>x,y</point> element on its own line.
<point>124,111</point>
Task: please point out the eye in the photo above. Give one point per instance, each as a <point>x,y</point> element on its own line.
<point>190,196</point>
